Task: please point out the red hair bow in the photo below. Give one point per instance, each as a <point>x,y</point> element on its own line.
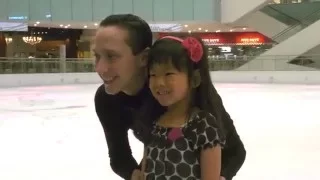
<point>193,46</point>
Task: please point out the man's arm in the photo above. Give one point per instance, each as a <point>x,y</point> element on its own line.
<point>116,132</point>
<point>121,160</point>
<point>234,153</point>
<point>233,156</point>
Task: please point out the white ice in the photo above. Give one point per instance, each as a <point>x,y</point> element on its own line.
<point>50,133</point>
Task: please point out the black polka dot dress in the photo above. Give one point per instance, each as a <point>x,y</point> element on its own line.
<point>174,153</point>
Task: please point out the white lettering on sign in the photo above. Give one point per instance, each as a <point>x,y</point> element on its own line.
<point>250,40</point>
<point>211,41</point>
<point>17,17</point>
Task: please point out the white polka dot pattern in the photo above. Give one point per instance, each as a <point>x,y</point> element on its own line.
<point>179,159</point>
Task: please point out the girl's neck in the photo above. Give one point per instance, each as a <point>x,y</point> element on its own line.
<point>180,108</point>
<point>176,114</point>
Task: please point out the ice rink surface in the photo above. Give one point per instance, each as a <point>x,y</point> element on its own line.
<point>50,133</point>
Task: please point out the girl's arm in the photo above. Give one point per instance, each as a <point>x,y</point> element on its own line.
<point>143,165</point>
<point>209,139</point>
<point>210,163</point>
<point>138,174</point>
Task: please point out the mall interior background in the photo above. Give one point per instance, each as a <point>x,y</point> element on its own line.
<point>51,30</point>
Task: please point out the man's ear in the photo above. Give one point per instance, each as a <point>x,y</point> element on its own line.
<point>144,57</point>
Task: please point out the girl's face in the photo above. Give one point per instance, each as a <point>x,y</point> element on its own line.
<point>168,85</point>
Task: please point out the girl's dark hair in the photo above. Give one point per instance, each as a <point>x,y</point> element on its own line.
<point>205,96</point>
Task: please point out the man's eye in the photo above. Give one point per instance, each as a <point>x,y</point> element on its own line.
<point>169,74</point>
<point>97,57</point>
<point>110,56</point>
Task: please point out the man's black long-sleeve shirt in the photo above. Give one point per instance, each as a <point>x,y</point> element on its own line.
<point>116,112</point>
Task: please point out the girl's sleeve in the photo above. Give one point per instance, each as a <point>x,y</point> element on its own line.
<point>204,132</point>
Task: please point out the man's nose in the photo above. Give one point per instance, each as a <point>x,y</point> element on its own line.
<point>102,66</point>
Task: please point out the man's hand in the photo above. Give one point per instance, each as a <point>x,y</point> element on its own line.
<point>137,175</point>
<point>222,178</point>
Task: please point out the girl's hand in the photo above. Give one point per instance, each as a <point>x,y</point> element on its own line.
<point>137,175</point>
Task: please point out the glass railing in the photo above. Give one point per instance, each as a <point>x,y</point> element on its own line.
<point>292,1</point>
<point>292,30</point>
<point>297,11</point>
<point>283,63</point>
<point>279,15</point>
<point>31,66</point>
<point>44,65</point>
<point>296,28</point>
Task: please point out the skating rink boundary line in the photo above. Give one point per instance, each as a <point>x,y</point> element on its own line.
<point>260,77</point>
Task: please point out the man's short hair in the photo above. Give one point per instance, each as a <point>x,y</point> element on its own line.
<point>139,32</point>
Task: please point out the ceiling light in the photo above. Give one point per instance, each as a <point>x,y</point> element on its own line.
<point>37,22</point>
<point>32,39</point>
<point>218,30</point>
<point>231,30</point>
<point>61,25</point>
<point>8,40</point>
<point>85,26</point>
<point>96,24</point>
<point>244,29</point>
<point>189,31</point>
<point>66,27</point>
<point>206,30</point>
<point>199,29</point>
<point>186,25</point>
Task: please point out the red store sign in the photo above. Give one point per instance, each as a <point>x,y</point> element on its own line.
<point>232,38</point>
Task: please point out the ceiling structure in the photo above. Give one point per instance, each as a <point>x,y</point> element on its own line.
<point>156,27</point>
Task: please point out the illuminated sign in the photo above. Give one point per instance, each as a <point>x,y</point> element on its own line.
<point>225,48</point>
<point>18,17</point>
<point>211,41</point>
<point>165,27</point>
<point>13,26</point>
<point>250,40</point>
<point>221,39</point>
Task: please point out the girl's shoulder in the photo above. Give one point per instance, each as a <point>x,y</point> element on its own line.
<point>203,131</point>
<point>197,116</point>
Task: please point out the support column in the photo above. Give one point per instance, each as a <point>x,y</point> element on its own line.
<point>63,66</point>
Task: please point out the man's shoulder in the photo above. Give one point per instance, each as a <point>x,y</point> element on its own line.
<point>109,110</point>
<point>102,97</point>
<point>106,104</point>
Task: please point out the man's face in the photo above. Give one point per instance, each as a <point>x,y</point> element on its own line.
<point>115,63</point>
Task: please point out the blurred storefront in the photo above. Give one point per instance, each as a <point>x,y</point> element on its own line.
<point>231,45</point>
<point>40,43</point>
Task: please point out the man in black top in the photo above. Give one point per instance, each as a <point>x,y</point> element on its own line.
<point>121,47</point>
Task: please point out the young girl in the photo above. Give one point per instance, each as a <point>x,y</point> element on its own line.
<point>186,141</point>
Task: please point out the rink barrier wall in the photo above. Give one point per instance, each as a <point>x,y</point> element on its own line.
<point>276,77</point>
